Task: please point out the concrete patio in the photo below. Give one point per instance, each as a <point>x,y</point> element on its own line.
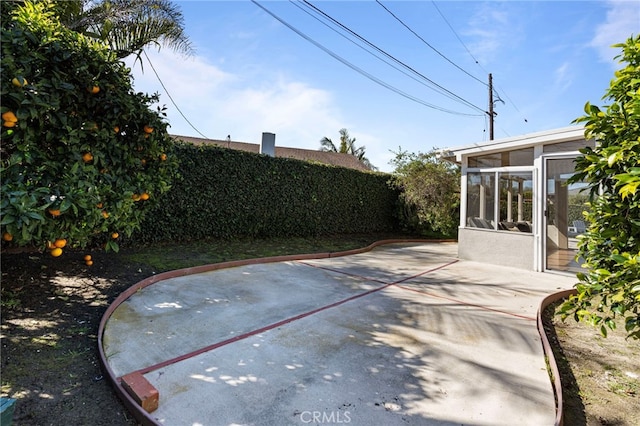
<point>402,334</point>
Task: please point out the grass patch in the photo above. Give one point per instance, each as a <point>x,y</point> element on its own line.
<point>168,257</point>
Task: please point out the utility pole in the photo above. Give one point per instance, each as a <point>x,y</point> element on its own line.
<point>491,113</point>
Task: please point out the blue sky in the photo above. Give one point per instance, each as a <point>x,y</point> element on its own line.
<point>252,74</point>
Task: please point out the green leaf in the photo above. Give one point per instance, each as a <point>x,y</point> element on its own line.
<point>610,322</point>
<point>112,246</point>
<point>613,158</point>
<point>624,178</point>
<point>65,205</point>
<point>618,297</point>
<point>619,258</point>
<point>603,330</point>
<point>629,189</point>
<point>7,219</point>
<point>602,272</point>
<point>35,215</point>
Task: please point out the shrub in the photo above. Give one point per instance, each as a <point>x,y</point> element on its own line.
<point>429,193</point>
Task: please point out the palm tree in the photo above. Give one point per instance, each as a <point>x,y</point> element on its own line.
<point>128,26</point>
<point>347,146</point>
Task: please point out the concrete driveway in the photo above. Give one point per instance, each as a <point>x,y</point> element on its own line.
<point>405,334</point>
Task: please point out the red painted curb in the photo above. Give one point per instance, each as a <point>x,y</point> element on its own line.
<point>141,415</point>
<point>546,346</point>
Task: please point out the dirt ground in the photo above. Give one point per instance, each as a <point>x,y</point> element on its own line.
<point>600,376</point>
<point>51,308</point>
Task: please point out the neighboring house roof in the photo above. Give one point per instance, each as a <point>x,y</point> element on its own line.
<point>330,158</point>
<point>564,134</point>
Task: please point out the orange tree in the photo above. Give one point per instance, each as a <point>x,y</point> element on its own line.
<point>83,155</point>
<point>610,286</point>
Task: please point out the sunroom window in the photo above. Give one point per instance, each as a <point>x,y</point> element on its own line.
<point>517,157</point>
<point>499,200</point>
<point>481,200</point>
<point>516,201</point>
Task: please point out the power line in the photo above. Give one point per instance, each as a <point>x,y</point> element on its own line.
<point>458,37</point>
<point>429,45</point>
<point>355,68</point>
<point>443,90</point>
<point>361,46</point>
<point>474,58</point>
<point>170,97</point>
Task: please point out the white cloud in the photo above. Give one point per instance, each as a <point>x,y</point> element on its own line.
<point>297,113</point>
<point>563,78</point>
<point>185,78</point>
<point>622,20</point>
<point>219,102</point>
<point>488,30</point>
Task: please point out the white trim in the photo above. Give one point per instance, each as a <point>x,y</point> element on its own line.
<point>537,218</point>
<point>499,169</point>
<point>463,193</point>
<point>564,134</point>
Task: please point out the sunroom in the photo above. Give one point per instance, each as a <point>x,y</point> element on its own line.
<point>517,208</point>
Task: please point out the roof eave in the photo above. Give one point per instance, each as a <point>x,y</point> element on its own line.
<point>564,134</point>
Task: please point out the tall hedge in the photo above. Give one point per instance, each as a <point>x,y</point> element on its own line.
<point>225,193</point>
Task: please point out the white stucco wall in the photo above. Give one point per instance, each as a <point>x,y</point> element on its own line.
<point>515,249</point>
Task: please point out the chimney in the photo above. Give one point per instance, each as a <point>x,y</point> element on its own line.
<point>268,144</point>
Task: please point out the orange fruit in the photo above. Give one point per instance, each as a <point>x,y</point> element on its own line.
<point>87,157</point>
<point>19,81</point>
<point>7,236</point>
<point>116,129</point>
<point>115,235</point>
<point>148,129</point>
<point>60,242</point>
<point>144,196</point>
<point>87,257</point>
<point>89,262</point>
<point>99,205</point>
<point>9,116</point>
<point>105,214</point>
<point>55,212</point>
<point>136,197</point>
<point>93,89</point>
<point>163,157</point>
<point>143,161</point>
<point>50,245</point>
<point>56,252</point>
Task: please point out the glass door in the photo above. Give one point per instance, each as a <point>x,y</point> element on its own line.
<point>564,221</point>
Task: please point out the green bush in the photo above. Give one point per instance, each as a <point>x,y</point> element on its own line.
<point>429,197</point>
<point>225,193</point>
<point>79,146</point>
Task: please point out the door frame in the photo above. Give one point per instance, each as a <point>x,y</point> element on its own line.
<point>541,250</point>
